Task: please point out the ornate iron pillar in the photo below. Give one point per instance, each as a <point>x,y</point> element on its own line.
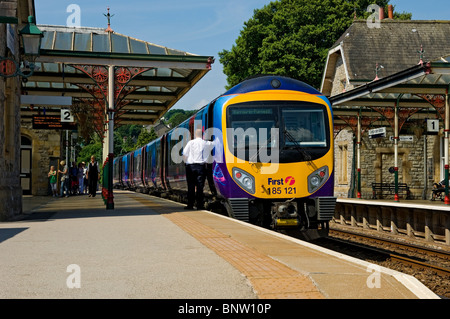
<point>358,146</point>
<point>111,109</point>
<point>446,145</point>
<point>396,131</point>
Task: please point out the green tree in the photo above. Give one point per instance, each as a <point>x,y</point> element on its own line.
<point>145,137</point>
<point>292,38</point>
<point>125,138</point>
<point>175,117</point>
<point>95,147</point>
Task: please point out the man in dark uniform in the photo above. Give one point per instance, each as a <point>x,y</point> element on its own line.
<point>92,175</point>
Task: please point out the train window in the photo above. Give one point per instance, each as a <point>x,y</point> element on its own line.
<point>251,126</point>
<point>305,127</point>
<point>137,166</point>
<point>300,128</point>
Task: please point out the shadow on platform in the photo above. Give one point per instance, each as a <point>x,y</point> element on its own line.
<point>46,208</point>
<point>6,233</point>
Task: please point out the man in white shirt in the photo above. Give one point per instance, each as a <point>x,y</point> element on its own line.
<point>195,157</point>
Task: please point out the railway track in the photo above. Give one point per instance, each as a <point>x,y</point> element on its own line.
<point>393,244</point>
<point>430,266</point>
<point>413,261</point>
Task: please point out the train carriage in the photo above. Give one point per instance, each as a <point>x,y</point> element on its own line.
<point>272,160</point>
<point>138,170</point>
<point>118,173</point>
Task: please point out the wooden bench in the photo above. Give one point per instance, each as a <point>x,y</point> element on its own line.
<point>389,188</point>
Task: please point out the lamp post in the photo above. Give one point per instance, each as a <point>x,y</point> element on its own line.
<point>31,40</point>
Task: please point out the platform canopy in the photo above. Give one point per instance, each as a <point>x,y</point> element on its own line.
<point>415,94</point>
<point>149,79</point>
<point>420,89</point>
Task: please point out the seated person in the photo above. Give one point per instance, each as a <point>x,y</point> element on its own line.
<point>438,189</point>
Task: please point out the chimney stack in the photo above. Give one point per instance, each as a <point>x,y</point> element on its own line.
<point>381,13</point>
<point>391,11</point>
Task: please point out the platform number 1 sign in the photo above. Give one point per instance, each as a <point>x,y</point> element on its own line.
<point>66,115</point>
<point>432,127</point>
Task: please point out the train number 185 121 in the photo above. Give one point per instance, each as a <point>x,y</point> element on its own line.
<point>282,190</point>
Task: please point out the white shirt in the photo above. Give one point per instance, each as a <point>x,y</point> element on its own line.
<point>195,151</point>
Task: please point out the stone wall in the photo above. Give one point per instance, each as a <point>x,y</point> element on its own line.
<point>10,189</point>
<point>344,140</point>
<point>340,84</point>
<point>45,152</point>
<point>377,156</point>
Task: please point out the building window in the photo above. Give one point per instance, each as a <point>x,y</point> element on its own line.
<point>342,164</point>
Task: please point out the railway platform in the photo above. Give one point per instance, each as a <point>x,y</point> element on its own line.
<point>423,221</point>
<point>149,247</point>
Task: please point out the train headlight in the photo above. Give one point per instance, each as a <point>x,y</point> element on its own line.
<point>244,179</point>
<point>317,179</point>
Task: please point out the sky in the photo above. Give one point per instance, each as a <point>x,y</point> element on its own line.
<point>202,27</point>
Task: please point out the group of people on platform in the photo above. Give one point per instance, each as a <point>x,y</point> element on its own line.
<point>76,180</point>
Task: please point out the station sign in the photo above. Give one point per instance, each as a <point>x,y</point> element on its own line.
<point>52,123</point>
<point>46,100</point>
<point>432,126</point>
<point>403,138</point>
<point>66,116</point>
<point>377,132</point>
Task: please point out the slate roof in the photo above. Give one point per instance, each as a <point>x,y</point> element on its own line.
<point>394,45</point>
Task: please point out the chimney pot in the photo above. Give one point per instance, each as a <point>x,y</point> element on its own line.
<point>381,13</point>
<point>391,11</point>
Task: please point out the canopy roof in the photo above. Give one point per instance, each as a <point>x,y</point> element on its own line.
<point>364,53</point>
<point>74,62</point>
<point>420,90</point>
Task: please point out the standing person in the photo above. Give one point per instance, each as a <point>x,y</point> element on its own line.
<point>53,180</point>
<point>195,160</point>
<point>92,175</point>
<point>64,179</point>
<point>73,179</point>
<point>85,180</point>
<point>80,176</point>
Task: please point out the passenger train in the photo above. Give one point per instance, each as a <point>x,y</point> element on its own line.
<point>271,160</point>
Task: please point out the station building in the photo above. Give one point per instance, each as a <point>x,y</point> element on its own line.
<point>363,55</point>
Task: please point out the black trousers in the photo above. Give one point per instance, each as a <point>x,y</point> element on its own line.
<point>195,175</point>
<point>93,181</point>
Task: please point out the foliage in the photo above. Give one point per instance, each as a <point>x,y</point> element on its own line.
<point>125,138</point>
<point>175,117</point>
<point>291,38</point>
<point>94,148</point>
<point>145,137</point>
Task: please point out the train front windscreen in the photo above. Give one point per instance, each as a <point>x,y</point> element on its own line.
<point>298,131</point>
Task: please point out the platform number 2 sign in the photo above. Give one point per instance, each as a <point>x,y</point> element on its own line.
<point>66,115</point>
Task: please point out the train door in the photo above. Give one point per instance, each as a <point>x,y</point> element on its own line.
<point>144,167</point>
<point>164,162</point>
<point>209,123</point>
<point>157,167</point>
<point>130,169</point>
<point>122,171</point>
<point>129,173</point>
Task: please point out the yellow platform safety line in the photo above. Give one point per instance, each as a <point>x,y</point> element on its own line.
<point>269,278</point>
